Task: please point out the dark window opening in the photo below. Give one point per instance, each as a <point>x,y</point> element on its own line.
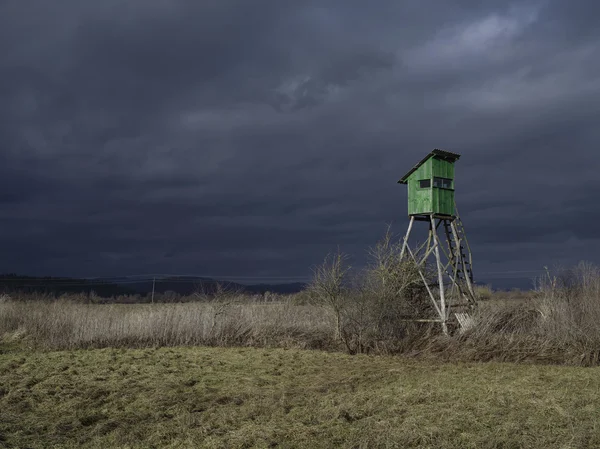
<point>425,183</point>
<point>442,183</point>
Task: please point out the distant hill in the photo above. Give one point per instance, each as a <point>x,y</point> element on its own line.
<point>186,285</point>
<point>10,283</point>
<point>182,285</point>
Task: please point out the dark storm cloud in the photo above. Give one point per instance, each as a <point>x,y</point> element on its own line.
<point>251,138</point>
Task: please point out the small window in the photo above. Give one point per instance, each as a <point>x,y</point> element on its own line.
<point>425,183</point>
<point>442,183</point>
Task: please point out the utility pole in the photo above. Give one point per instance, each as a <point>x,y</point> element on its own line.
<point>153,284</point>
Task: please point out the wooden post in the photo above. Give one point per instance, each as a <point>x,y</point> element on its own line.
<point>443,313</point>
<point>153,283</point>
<point>431,295</point>
<point>405,243</point>
<point>429,235</point>
<point>462,261</point>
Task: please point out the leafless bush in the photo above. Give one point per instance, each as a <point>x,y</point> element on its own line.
<point>328,287</point>
<point>395,281</point>
<point>371,325</point>
<point>372,310</point>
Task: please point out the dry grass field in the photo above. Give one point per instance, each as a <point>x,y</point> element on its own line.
<point>245,398</point>
<point>235,371</point>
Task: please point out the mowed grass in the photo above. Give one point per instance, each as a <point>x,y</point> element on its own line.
<point>246,397</point>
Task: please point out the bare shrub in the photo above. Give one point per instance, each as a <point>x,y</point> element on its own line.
<point>377,313</point>
<point>372,325</point>
<point>328,286</point>
<point>395,280</point>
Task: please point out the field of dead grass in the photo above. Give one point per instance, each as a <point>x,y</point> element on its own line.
<point>234,372</point>
<point>185,397</point>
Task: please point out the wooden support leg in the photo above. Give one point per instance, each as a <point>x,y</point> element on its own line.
<point>405,242</point>
<point>442,308</point>
<point>462,262</point>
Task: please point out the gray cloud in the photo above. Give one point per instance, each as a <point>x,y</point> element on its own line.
<point>251,138</point>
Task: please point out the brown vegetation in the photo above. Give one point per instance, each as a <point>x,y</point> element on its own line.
<point>228,321</point>
<point>559,323</point>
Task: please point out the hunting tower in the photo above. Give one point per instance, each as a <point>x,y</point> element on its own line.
<point>431,199</point>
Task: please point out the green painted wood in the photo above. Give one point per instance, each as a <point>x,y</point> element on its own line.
<point>420,199</point>
<point>438,198</point>
<point>443,169</point>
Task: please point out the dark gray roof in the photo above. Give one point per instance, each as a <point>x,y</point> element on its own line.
<point>440,154</point>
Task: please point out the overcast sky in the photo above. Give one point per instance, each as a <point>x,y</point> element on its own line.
<point>249,138</point>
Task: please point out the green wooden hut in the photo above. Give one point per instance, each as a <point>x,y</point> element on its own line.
<point>431,186</point>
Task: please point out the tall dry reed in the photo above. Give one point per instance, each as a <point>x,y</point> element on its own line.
<point>559,323</point>
<point>68,324</point>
